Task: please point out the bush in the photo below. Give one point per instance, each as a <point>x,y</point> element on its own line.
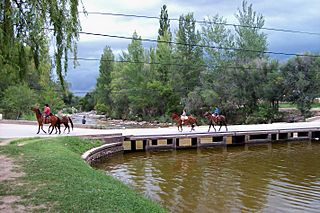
<point>17,101</point>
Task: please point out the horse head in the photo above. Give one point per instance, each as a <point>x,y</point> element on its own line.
<point>206,114</point>
<point>174,115</point>
<point>36,110</point>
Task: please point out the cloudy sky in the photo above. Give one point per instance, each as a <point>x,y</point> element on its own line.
<point>283,14</point>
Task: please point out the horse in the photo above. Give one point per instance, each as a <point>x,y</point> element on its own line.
<point>65,121</point>
<point>53,120</point>
<point>190,121</point>
<point>216,120</point>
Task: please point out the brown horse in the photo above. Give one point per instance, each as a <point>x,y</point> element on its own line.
<point>65,121</point>
<point>216,120</point>
<point>190,121</point>
<point>52,120</point>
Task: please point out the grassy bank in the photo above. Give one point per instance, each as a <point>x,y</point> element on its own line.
<point>57,179</point>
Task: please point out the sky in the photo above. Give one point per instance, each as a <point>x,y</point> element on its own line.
<point>283,14</point>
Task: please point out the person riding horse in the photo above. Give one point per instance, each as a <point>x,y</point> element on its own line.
<point>184,116</point>
<point>216,112</point>
<point>47,111</point>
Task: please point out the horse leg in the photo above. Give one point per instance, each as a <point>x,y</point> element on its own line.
<point>65,127</point>
<point>214,127</point>
<point>68,128</point>
<point>38,129</point>
<point>220,126</point>
<point>210,126</point>
<point>225,124</point>
<point>51,129</point>
<point>43,129</point>
<point>192,128</point>
<point>59,126</point>
<point>180,128</point>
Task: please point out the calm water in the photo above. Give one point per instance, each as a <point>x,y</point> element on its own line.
<point>266,178</point>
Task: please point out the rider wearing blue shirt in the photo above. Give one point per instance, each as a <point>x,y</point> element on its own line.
<point>216,111</point>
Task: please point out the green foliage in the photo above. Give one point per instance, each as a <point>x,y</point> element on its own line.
<point>264,114</point>
<point>301,77</point>
<point>51,97</point>
<point>87,102</point>
<point>164,23</point>
<point>189,54</point>
<point>249,38</point>
<point>18,100</point>
<point>103,87</point>
<point>101,108</point>
<point>33,19</point>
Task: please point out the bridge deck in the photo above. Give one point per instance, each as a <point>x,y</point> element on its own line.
<point>21,131</point>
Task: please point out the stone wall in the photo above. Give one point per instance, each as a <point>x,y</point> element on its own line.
<point>102,152</point>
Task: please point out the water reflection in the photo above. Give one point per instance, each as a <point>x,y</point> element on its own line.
<point>266,178</point>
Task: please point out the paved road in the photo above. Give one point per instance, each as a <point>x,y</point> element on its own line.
<point>9,131</point>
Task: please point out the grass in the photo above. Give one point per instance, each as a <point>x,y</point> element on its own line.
<point>57,178</point>
<point>290,105</point>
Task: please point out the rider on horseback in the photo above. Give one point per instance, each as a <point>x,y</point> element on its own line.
<point>216,112</point>
<point>184,116</point>
<point>46,111</point>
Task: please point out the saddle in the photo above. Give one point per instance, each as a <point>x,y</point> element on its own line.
<point>184,117</point>
<point>47,120</point>
<point>216,117</point>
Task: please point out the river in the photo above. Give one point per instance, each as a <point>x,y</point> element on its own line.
<point>282,177</point>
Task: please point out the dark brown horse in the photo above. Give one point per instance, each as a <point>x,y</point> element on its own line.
<point>190,121</point>
<point>216,120</point>
<point>53,120</point>
<point>65,121</point>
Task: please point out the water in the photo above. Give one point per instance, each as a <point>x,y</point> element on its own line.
<point>266,178</point>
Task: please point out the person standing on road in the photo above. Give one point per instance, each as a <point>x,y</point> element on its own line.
<point>84,119</point>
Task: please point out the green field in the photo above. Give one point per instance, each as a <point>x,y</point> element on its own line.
<point>58,180</point>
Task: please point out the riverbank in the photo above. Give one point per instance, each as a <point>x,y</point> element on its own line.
<point>55,178</point>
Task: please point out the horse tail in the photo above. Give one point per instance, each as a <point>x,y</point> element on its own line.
<point>71,122</point>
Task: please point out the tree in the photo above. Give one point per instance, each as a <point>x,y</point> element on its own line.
<point>250,42</point>
<point>103,87</point>
<point>164,22</point>
<point>87,102</point>
<point>31,23</point>
<point>215,79</point>
<point>18,100</point>
<point>301,81</point>
<point>188,55</point>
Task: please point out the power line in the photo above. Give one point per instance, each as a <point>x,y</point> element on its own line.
<point>195,45</point>
<point>210,22</point>
<point>171,64</point>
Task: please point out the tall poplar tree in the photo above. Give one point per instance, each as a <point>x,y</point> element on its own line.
<point>103,87</point>
<point>188,56</point>
<point>251,42</point>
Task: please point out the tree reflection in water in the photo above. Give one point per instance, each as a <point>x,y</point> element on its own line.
<point>282,177</point>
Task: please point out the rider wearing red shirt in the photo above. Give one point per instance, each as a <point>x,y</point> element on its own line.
<point>46,110</point>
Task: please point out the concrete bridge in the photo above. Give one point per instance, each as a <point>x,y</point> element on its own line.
<point>29,129</point>
<point>141,139</point>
